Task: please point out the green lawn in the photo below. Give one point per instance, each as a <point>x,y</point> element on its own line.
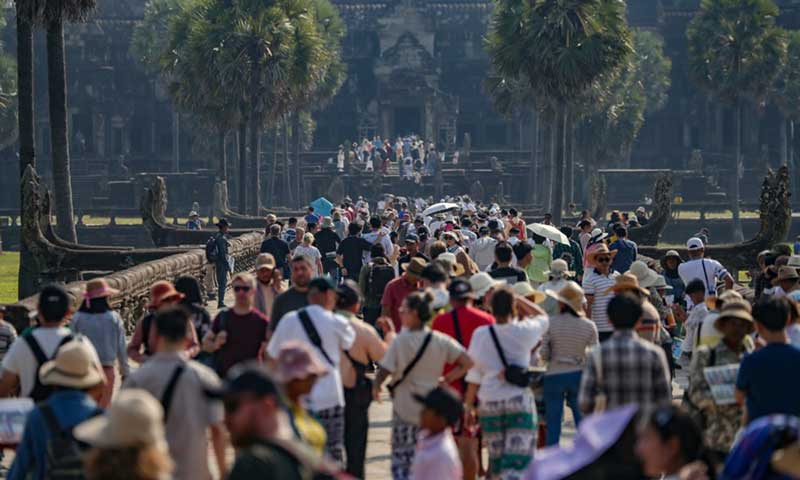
<point>9,269</point>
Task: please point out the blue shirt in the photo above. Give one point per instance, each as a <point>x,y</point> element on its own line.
<point>769,378</point>
<point>626,254</point>
<point>71,407</point>
<point>312,218</point>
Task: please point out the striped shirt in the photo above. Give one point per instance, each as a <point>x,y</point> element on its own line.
<point>565,343</point>
<point>596,284</point>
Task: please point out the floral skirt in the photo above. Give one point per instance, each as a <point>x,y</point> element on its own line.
<point>509,432</point>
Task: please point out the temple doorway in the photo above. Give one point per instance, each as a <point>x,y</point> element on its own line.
<point>407,120</point>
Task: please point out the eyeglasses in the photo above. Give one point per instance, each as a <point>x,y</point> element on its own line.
<point>241,288</point>
<point>603,259</point>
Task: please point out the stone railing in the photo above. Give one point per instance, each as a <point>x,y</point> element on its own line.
<point>134,283</point>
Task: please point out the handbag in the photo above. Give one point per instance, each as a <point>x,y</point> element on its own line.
<point>523,377</point>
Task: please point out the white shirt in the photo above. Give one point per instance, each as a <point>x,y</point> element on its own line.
<point>693,321</point>
<point>469,236</point>
<point>482,252</point>
<point>793,331</point>
<point>517,340</point>
<point>372,237</point>
<point>336,335</point>
<point>20,359</point>
<point>693,269</point>
<point>436,457</point>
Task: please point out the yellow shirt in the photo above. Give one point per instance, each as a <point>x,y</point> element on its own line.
<point>310,429</point>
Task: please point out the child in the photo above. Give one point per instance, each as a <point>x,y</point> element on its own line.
<point>696,291</point>
<point>437,457</point>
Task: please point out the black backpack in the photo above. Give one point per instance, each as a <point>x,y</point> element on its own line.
<point>379,277</point>
<point>64,456</point>
<point>40,391</point>
<point>212,250</point>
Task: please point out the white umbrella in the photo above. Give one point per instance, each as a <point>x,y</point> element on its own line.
<point>549,232</point>
<point>440,208</point>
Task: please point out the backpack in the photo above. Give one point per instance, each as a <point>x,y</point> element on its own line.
<point>379,277</point>
<point>64,458</point>
<point>212,250</point>
<point>40,391</point>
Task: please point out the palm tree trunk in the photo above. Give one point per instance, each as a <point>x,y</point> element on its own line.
<point>296,140</point>
<point>738,235</point>
<point>551,161</point>
<point>560,161</point>
<point>286,176</point>
<point>569,191</point>
<point>27,142</point>
<point>242,183</point>
<point>534,167</point>
<point>792,165</point>
<point>255,162</point>
<point>57,92</point>
<point>271,196</point>
<point>222,165</point>
<point>784,142</point>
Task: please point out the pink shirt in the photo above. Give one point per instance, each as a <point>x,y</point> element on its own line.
<point>436,457</point>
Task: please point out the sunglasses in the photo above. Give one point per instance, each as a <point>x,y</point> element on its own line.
<point>603,259</point>
<point>241,288</point>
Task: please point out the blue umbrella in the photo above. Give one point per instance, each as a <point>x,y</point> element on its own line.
<point>322,206</point>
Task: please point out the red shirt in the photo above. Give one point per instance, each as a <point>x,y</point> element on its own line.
<point>469,319</point>
<point>393,295</point>
<point>246,334</point>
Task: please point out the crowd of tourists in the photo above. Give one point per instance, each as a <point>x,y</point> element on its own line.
<point>479,326</point>
<point>413,156</point>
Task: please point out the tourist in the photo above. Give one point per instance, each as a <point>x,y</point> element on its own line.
<point>193,302</point>
<point>329,334</point>
<point>366,349</point>
<point>627,250</point>
<point>483,285</point>
<point>180,385</point>
<point>460,323</point>
<point>432,350</point>
<point>194,222</point>
<point>595,287</point>
<point>277,247</point>
<point>572,252</point>
<point>585,227</point>
<point>398,289</point>
<point>411,250</point>
<point>557,277</point>
<point>350,254</point>
<point>514,220</point>
<point>104,328</point>
<point>504,271</point>
<point>507,408</point>
<point>8,334</point>
<point>295,297</point>
<point>709,335</point>
<point>624,369</point>
<point>298,368</point>
<point>143,341</point>
<point>436,456</point>
<point>222,260</point>
<point>787,283</point>
<point>127,442</point>
<point>372,280</point>
<point>466,231</point>
<point>340,160</point>
<point>597,237</point>
<point>378,234</point>
<point>641,216</point>
<point>290,233</point>
<point>564,349</point>
<point>34,348</point>
<point>720,422</point>
<point>669,264</point>
<point>298,239</point>
<point>668,442</point>
<point>534,260</point>
<point>435,278</point>
<point>696,291</point>
<point>76,380</point>
<point>327,242</point>
<point>340,223</point>
<point>239,333</point>
<point>269,283</point>
<point>709,271</point>
<point>307,249</point>
<point>761,385</point>
<point>311,217</point>
<point>482,250</point>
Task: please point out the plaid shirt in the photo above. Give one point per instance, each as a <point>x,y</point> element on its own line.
<point>633,371</point>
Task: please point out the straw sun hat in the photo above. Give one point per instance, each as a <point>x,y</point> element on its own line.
<point>75,366</point>
<point>571,295</point>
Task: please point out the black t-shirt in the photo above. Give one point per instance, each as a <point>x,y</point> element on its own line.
<point>326,241</point>
<point>286,302</point>
<point>404,259</point>
<point>267,460</point>
<point>277,248</point>
<point>352,250</point>
<point>510,275</point>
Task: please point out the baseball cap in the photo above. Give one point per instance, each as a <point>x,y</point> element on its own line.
<point>322,284</point>
<point>411,237</point>
<point>460,289</point>
<point>265,260</point>
<point>694,243</point>
<point>444,401</point>
<point>54,303</point>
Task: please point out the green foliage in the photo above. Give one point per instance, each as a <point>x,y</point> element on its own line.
<point>735,48</point>
<point>8,93</point>
<point>786,89</point>
<point>148,45</point>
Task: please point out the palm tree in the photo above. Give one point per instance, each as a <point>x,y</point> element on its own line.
<point>786,94</point>
<point>735,52</point>
<point>561,48</point>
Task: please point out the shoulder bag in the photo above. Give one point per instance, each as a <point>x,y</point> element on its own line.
<point>522,377</point>
<point>413,363</point>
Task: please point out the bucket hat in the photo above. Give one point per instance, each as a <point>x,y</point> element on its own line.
<point>74,366</point>
<point>134,418</point>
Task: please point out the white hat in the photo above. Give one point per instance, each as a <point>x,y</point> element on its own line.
<point>74,366</point>
<point>482,283</point>
<point>646,277</point>
<point>134,418</point>
<point>794,261</point>
<point>560,266</point>
<point>597,235</point>
<point>695,243</point>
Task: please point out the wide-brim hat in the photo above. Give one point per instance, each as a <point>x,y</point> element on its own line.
<point>670,254</point>
<point>560,267</point>
<point>483,282</point>
<point>99,288</point>
<point>415,266</point>
<point>734,310</point>
<point>661,282</point>
<point>787,273</point>
<point>161,292</point>
<point>600,249</point>
<point>571,295</point>
<point>627,282</point>
<point>525,289</point>
<point>597,235</point>
<point>74,366</point>
<point>327,222</point>
<point>449,261</point>
<point>646,277</point>
<point>134,419</point>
